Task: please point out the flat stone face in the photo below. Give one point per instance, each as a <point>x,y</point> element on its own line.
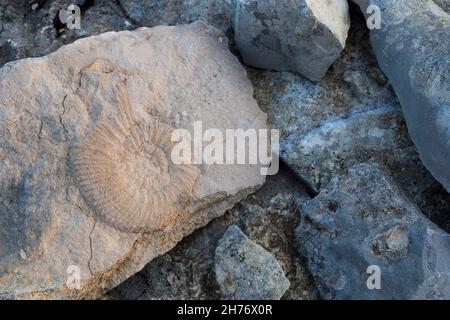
<point>362,220</point>
<point>412,48</point>
<point>299,36</point>
<point>333,14</point>
<point>86,177</point>
<point>244,270</point>
<point>52,153</point>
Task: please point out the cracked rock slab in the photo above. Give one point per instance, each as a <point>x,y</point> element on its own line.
<point>362,220</point>
<point>444,4</point>
<point>413,50</point>
<point>86,181</point>
<point>245,270</point>
<point>303,36</point>
<point>351,116</point>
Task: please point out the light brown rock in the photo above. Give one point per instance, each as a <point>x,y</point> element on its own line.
<point>65,116</point>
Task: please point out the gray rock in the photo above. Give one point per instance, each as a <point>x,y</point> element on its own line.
<point>303,36</point>
<point>27,30</point>
<point>362,219</point>
<point>434,202</point>
<point>171,12</point>
<point>32,28</point>
<point>245,270</point>
<point>364,135</point>
<point>351,116</point>
<point>413,49</point>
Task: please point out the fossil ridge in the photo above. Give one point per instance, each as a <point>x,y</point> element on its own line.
<point>125,173</point>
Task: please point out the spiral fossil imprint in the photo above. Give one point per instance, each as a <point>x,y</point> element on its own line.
<point>125,174</point>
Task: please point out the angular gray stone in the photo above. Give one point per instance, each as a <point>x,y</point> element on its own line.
<point>245,270</point>
<point>303,36</point>
<point>413,50</point>
<point>362,219</point>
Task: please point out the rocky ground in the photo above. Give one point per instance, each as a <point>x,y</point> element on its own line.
<point>267,217</point>
<point>346,155</point>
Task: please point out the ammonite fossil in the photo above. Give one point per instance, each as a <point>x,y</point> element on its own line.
<point>125,173</point>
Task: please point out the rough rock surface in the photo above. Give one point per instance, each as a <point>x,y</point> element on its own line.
<point>294,104</point>
<point>413,49</point>
<point>113,91</point>
<point>32,28</point>
<point>303,36</point>
<point>245,271</point>
<point>269,217</point>
<point>444,4</point>
<point>362,219</point>
<point>351,116</point>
